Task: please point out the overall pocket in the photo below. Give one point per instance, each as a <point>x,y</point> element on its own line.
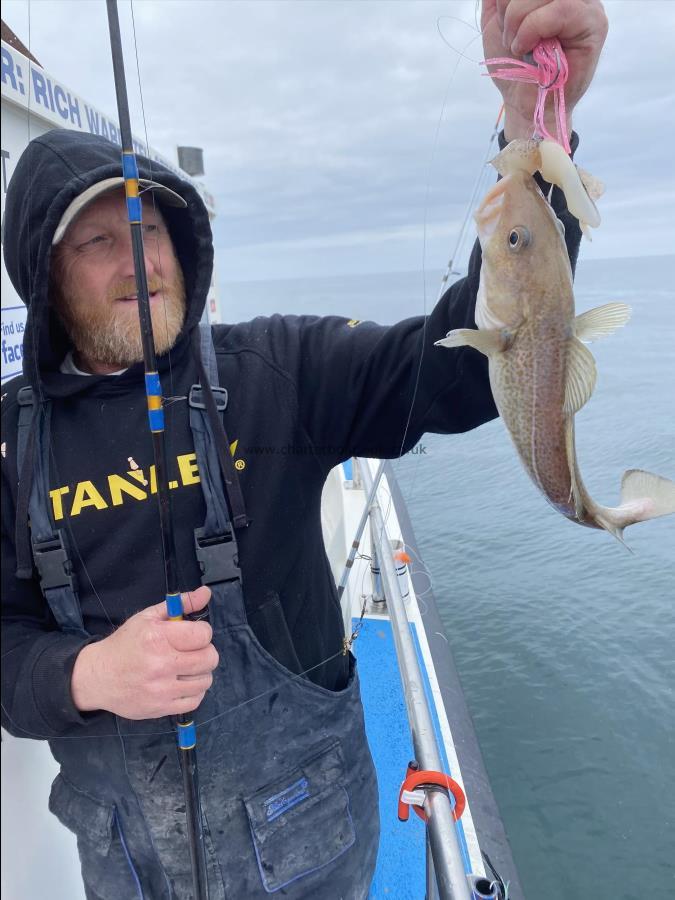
<point>269,625</point>
<point>107,869</point>
<point>301,822</point>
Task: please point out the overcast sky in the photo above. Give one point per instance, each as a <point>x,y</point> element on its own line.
<point>318,120</point>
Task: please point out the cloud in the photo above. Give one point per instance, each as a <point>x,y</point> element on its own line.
<point>320,120</point>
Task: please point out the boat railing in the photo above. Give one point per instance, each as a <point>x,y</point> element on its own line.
<point>446,878</point>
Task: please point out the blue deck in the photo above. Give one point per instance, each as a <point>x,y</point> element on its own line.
<point>400,871</point>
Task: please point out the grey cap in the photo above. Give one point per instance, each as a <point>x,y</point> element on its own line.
<point>166,195</point>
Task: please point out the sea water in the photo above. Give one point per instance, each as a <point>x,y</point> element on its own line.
<point>563,638</point>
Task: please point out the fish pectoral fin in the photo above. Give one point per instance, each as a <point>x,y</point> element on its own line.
<point>570,452</point>
<point>487,342</point>
<point>581,377</point>
<point>601,321</point>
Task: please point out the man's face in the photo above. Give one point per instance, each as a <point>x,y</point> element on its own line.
<point>94,288</point>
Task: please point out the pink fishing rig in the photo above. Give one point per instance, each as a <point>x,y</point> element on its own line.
<point>549,71</point>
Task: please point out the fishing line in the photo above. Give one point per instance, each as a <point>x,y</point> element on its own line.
<point>389,501</point>
<point>169,425</point>
<point>40,394</point>
<point>198,724</point>
<point>476,10</point>
<point>300,676</point>
<point>151,192</point>
<point>411,483</point>
<point>459,53</point>
<point>386,512</point>
<point>39,390</point>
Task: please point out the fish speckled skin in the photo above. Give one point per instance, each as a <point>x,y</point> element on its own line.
<point>541,373</point>
<point>537,314</point>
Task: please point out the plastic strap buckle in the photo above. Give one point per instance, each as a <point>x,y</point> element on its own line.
<point>24,396</point>
<point>217,557</point>
<point>53,564</point>
<point>196,398</point>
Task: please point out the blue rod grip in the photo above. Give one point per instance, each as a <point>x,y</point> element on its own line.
<point>187,735</point>
<point>156,420</point>
<point>129,167</point>
<point>134,210</point>
<point>152,386</point>
<point>153,390</point>
<point>174,606</point>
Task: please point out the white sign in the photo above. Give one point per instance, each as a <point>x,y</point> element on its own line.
<point>42,96</point>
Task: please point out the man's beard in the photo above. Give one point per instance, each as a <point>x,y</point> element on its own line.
<point>110,333</point>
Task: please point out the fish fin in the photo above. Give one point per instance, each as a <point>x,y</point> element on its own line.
<point>605,521</point>
<point>575,490</point>
<point>487,342</point>
<point>655,492</point>
<point>601,321</point>
<point>594,187</point>
<point>581,377</point>
<point>644,496</point>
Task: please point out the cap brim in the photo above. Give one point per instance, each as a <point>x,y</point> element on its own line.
<point>165,195</point>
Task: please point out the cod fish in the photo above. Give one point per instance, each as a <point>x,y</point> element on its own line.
<point>541,371</point>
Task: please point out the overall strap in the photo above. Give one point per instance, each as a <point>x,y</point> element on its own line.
<point>209,356</point>
<point>25,400</point>
<point>202,342</point>
<point>215,542</point>
<point>49,544</point>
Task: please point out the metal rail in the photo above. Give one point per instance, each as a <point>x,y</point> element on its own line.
<point>448,868</point>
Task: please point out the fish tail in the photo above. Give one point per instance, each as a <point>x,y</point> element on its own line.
<point>644,496</point>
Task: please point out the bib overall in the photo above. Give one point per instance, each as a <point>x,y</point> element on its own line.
<point>287,784</point>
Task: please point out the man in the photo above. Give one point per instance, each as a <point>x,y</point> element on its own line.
<point>288,792</point>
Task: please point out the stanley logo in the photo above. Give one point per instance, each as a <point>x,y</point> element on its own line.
<point>135,484</point>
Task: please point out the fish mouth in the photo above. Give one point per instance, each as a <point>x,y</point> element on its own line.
<point>488,213</point>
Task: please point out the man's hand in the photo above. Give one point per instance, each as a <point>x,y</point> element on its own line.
<point>150,667</point>
<point>514,28</point>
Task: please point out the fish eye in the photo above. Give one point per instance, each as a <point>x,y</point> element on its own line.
<point>519,237</point>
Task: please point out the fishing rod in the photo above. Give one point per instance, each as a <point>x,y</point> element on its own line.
<point>451,270</point>
<point>186,731</point>
<point>359,530</point>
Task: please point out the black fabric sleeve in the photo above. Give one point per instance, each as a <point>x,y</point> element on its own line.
<point>373,390</point>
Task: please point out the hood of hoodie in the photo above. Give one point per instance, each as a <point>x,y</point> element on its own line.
<point>52,171</point>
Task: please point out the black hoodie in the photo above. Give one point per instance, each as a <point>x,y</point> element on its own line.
<point>304,393</point>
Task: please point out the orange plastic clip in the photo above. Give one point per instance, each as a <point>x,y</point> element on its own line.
<point>421,778</point>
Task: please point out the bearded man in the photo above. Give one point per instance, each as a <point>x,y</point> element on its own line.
<point>93,287</point>
<point>90,660</point>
